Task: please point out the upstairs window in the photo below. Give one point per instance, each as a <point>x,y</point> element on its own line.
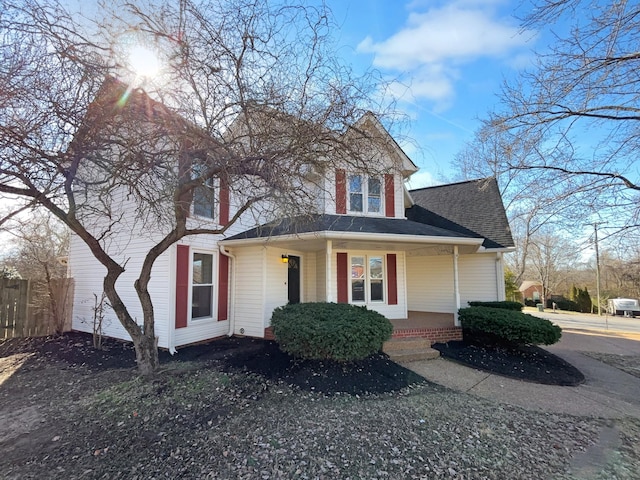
<point>204,199</point>
<point>365,194</point>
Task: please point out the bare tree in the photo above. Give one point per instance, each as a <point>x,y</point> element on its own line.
<point>40,246</point>
<point>551,257</point>
<point>582,100</point>
<point>250,95</point>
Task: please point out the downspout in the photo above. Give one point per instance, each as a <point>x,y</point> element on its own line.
<point>501,294</point>
<point>171,330</point>
<point>232,284</point>
<point>456,286</point>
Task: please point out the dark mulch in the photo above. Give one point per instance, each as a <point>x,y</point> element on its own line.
<point>530,363</point>
<point>374,375</point>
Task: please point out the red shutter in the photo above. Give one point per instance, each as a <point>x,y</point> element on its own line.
<point>224,202</point>
<point>392,280</point>
<point>341,191</point>
<point>223,287</point>
<point>343,278</point>
<point>182,285</point>
<point>389,196</point>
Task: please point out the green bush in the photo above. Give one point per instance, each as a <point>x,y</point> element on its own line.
<point>493,325</point>
<point>505,305</point>
<point>334,331</point>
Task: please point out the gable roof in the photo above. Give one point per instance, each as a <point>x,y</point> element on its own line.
<point>473,207</point>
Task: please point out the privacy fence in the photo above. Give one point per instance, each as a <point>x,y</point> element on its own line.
<point>31,308</point>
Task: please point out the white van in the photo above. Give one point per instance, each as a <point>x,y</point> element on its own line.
<point>628,307</point>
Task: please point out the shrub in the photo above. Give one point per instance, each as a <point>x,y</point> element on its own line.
<point>505,305</point>
<point>334,331</point>
<point>493,325</point>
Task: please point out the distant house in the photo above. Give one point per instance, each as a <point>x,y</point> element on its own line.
<point>532,290</point>
<point>414,256</point>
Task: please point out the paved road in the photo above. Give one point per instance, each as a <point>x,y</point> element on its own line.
<point>589,322</point>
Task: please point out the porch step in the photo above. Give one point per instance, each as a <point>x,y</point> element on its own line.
<point>409,349</point>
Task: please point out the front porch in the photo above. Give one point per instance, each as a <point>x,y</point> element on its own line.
<point>434,326</point>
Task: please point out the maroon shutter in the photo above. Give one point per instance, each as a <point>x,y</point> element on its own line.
<point>392,279</point>
<point>389,196</point>
<point>182,286</point>
<point>341,191</point>
<point>343,278</point>
<point>223,287</point>
<point>224,202</point>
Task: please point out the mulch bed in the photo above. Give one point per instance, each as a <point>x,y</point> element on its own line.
<point>529,363</point>
<point>373,375</point>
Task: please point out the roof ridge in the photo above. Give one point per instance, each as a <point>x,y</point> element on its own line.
<point>454,183</point>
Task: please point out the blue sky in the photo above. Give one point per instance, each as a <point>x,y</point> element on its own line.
<point>450,57</point>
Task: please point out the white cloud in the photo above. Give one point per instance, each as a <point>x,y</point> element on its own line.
<point>436,43</point>
<point>422,179</point>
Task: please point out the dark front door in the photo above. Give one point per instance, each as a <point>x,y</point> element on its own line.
<point>294,279</point>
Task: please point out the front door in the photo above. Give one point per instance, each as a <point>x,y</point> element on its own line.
<point>294,279</point>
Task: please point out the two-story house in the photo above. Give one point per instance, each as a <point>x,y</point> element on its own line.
<point>414,256</point>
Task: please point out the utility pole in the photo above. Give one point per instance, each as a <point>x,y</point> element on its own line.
<point>595,230</point>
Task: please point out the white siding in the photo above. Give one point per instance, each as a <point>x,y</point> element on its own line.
<point>88,274</point>
<point>478,278</point>
<point>309,278</point>
<point>276,292</point>
<point>249,286</point>
<point>430,284</point>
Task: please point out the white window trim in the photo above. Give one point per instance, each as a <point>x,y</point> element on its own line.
<point>367,279</point>
<point>365,195</point>
<point>214,287</point>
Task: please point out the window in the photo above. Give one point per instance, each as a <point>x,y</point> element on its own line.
<point>202,286</point>
<point>203,195</point>
<point>365,194</point>
<point>367,278</point>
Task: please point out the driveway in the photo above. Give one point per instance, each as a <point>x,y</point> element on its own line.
<point>607,391</point>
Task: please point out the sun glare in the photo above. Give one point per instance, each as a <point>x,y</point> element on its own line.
<point>144,62</point>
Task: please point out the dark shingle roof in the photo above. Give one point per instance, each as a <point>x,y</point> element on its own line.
<point>472,208</point>
<point>344,223</point>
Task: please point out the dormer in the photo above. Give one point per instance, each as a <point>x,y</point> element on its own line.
<point>376,190</point>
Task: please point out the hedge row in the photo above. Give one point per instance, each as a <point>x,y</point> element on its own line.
<point>505,305</point>
<point>334,331</point>
<point>494,325</point>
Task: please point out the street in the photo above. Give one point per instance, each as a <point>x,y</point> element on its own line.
<point>585,321</point>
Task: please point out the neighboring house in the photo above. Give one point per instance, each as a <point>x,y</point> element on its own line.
<point>531,290</point>
<point>414,256</point>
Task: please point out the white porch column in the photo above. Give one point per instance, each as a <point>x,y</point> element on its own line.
<point>456,286</point>
<point>328,271</point>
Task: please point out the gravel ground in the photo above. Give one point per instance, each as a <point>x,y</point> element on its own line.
<point>201,419</point>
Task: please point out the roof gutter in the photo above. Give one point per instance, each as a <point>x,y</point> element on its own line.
<point>360,236</point>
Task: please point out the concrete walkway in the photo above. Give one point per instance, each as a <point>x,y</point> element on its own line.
<point>607,391</point>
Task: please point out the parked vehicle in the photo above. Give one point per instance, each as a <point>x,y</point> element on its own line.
<point>628,307</point>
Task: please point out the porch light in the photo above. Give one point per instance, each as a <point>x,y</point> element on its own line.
<point>285,258</point>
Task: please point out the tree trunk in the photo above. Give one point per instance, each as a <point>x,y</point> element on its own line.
<point>146,347</point>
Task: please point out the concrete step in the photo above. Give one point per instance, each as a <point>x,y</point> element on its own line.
<point>409,349</point>
<point>399,344</point>
<point>401,356</point>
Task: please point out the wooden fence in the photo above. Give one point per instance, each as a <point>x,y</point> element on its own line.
<point>28,310</point>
